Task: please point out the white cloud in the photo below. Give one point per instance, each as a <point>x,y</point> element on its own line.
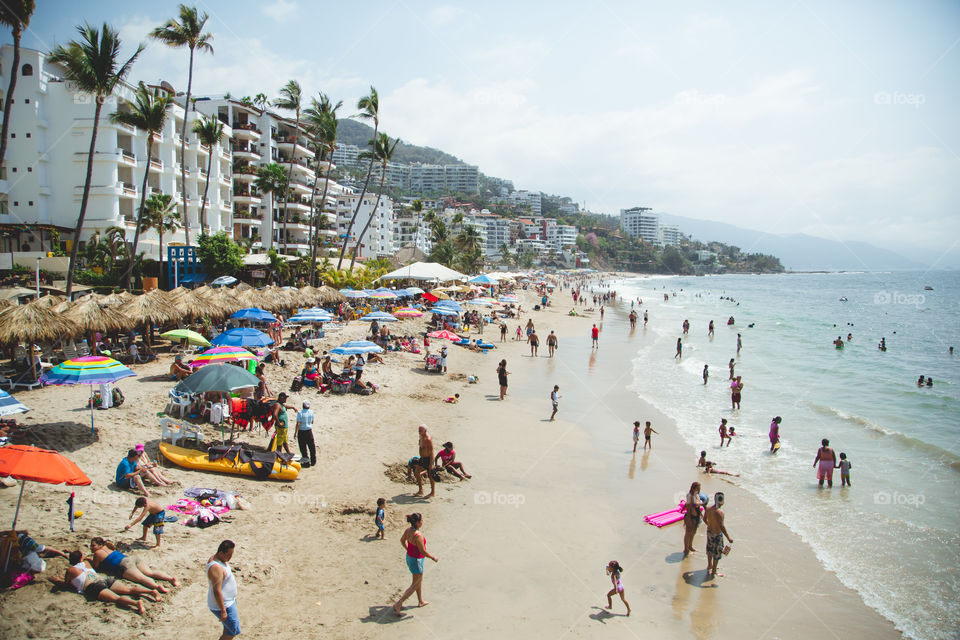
<point>444,15</point>
<point>280,10</point>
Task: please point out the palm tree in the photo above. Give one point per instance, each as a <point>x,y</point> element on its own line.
<point>148,112</point>
<point>271,180</point>
<point>209,130</point>
<point>160,214</point>
<point>369,106</point>
<point>322,118</point>
<point>291,97</point>
<point>469,249</point>
<point>260,100</point>
<point>16,15</point>
<point>186,33</point>
<point>92,65</point>
<point>382,151</point>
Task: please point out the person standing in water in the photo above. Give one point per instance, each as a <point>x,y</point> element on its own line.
<point>774,433</point>
<point>645,318</point>
<point>736,392</point>
<point>552,343</point>
<point>502,374</point>
<point>614,570</point>
<point>679,353</point>
<point>724,435</point>
<point>739,343</point>
<point>710,329</point>
<point>706,373</point>
<point>730,366</point>
<point>595,337</point>
<point>827,461</point>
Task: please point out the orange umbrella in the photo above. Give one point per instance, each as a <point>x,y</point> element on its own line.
<point>24,463</point>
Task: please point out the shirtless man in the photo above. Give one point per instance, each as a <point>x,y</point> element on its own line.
<point>713,516</point>
<point>154,514</point>
<point>552,343</point>
<point>179,370</point>
<point>827,460</point>
<point>426,461</point>
<point>633,319</point>
<point>534,341</point>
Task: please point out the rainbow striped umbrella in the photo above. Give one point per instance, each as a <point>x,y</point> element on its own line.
<point>89,370</point>
<point>217,355</point>
<point>407,312</point>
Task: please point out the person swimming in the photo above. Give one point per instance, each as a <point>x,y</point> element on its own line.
<point>921,381</point>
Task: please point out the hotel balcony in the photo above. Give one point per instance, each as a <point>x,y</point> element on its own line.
<point>244,152</point>
<point>122,189</point>
<point>246,197</point>
<point>286,145</point>
<point>246,131</point>
<point>300,186</point>
<point>242,215</point>
<point>156,165</point>
<point>300,167</point>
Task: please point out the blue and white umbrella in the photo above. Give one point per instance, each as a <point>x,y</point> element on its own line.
<point>356,347</point>
<point>10,405</point>
<point>252,313</point>
<point>414,290</point>
<point>223,281</point>
<point>483,279</point>
<point>310,318</point>
<point>242,337</point>
<point>444,311</point>
<point>448,304</point>
<point>480,302</point>
<point>379,316</point>
<point>350,293</point>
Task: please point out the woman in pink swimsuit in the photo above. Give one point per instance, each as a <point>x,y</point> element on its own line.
<point>827,461</point>
<point>415,544</point>
<point>613,570</point>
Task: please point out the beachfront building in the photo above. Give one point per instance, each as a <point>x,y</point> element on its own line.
<point>44,171</point>
<point>640,222</point>
<point>346,155</point>
<point>668,235</point>
<point>262,137</point>
<point>410,231</point>
<point>494,229</point>
<point>379,240</point>
<point>397,175</point>
<point>558,236</point>
<point>461,178</point>
<point>532,199</point>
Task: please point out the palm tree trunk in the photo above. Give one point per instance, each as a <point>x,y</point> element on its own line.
<point>286,200</point>
<point>313,208</point>
<point>8,103</point>
<point>206,189</point>
<point>143,199</point>
<point>323,203</point>
<point>85,198</point>
<point>162,279</point>
<point>383,174</point>
<point>183,153</point>
<point>346,238</point>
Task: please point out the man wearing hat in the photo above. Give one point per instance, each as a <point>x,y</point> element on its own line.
<point>178,370</point>
<point>304,435</point>
<point>280,423</point>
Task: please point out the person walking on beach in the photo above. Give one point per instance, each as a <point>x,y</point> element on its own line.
<point>827,461</point>
<point>614,570</point>
<point>379,518</point>
<point>633,319</point>
<point>710,329</point>
<point>713,516</point>
<point>724,435</point>
<point>736,390</point>
<point>595,336</point>
<point>502,374</point>
<point>503,331</point>
<point>647,430</point>
<point>426,460</point>
<point>645,318</point>
<point>304,434</point>
<point>415,544</point>
<point>775,434</point>
<point>534,341</point>
<point>222,590</point>
<point>691,518</point>
<point>152,515</point>
<point>679,353</point>
<point>706,373</point>
<point>552,343</point>
<point>686,327</point>
<point>636,435</point>
<point>554,400</point>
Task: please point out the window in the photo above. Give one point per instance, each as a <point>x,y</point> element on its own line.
<point>28,135</point>
<point>26,70</point>
<point>27,101</point>
<point>30,203</point>
<point>16,203</point>
<point>29,169</point>
<point>13,135</point>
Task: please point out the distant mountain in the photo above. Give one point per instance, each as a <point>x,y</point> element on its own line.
<point>358,133</point>
<point>798,251</point>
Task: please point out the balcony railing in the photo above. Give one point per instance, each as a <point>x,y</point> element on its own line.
<point>246,126</point>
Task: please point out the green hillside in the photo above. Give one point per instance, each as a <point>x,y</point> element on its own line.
<point>358,133</point>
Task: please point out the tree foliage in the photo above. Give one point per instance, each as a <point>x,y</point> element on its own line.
<point>220,255</point>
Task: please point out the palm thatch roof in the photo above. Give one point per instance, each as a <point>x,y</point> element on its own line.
<point>243,286</point>
<point>153,307</point>
<point>50,301</point>
<point>90,315</point>
<point>116,298</point>
<point>31,323</point>
<point>329,295</point>
<point>205,301</point>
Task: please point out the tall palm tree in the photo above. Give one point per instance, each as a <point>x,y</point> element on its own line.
<point>369,106</point>
<point>383,152</point>
<point>209,130</point>
<point>92,64</point>
<point>271,180</point>
<point>291,99</point>
<point>147,112</point>
<point>322,116</point>
<point>188,32</point>
<point>16,15</point>
<point>160,213</point>
<point>260,100</point>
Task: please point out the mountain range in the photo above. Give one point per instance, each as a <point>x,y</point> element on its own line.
<point>359,134</point>
<point>797,251</point>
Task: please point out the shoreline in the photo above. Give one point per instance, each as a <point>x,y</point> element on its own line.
<point>506,567</point>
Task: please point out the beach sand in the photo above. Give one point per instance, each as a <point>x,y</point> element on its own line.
<point>522,546</point>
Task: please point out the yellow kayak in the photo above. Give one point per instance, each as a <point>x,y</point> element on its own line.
<point>193,459</point>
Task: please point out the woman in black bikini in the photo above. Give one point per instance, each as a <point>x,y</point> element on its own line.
<point>502,374</point>
<point>691,517</point>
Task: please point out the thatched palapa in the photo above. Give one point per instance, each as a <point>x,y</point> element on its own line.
<point>88,315</point>
<point>31,323</point>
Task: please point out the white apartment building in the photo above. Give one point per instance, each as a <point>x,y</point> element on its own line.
<point>533,199</point>
<point>558,236</point>
<point>495,231</point>
<point>264,137</point>
<point>668,235</point>
<point>461,178</point>
<point>639,222</point>
<point>426,178</point>
<point>410,231</point>
<point>379,240</point>
<point>346,155</point>
<point>44,171</point>
<point>396,176</point>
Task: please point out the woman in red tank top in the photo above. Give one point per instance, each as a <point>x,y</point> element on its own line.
<point>415,544</point>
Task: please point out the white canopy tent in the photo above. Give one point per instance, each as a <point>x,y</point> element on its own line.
<point>427,271</point>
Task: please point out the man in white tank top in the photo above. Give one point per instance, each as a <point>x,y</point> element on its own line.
<point>222,592</point>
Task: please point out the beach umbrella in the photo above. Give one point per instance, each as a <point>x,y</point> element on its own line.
<point>242,337</point>
<point>223,281</point>
<point>483,279</point>
<point>449,304</point>
<point>186,334</point>
<point>383,295</point>
<point>439,295</point>
<point>414,290</point>
<point>10,405</point>
<point>444,335</point>
<point>310,318</point>
<point>350,293</point>
<point>218,355</point>
<point>480,302</point>
<point>407,312</point>
<point>444,311</point>
<point>355,347</point>
<point>221,378</point>
<point>253,313</point>
<point>32,323</point>
<point>89,370</point>
<point>379,316</point>
<point>509,298</point>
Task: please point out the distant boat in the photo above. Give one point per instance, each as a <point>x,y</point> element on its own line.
<point>843,299</point>
<point>928,288</point>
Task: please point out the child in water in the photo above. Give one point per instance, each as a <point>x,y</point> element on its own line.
<point>381,514</point>
<point>614,570</point>
<point>844,467</point>
<point>702,462</point>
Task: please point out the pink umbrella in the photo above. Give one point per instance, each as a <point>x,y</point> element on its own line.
<point>444,335</point>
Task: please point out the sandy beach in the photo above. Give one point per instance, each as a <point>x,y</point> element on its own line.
<point>521,546</point>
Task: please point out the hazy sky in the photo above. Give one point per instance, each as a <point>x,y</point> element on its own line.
<point>837,119</point>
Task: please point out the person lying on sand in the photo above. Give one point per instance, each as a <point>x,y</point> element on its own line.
<point>107,559</point>
<point>709,468</point>
<point>80,577</point>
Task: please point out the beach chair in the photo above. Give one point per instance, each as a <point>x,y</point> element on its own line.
<point>22,380</point>
<point>179,403</point>
<point>176,430</point>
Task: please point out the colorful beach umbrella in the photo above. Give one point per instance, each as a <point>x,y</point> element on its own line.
<point>407,312</point>
<point>383,294</point>
<point>89,370</point>
<point>355,347</point>
<point>190,336</point>
<point>480,302</point>
<point>254,314</point>
<point>218,355</point>
<point>444,311</point>
<point>509,298</point>
<point>242,337</point>
<point>350,293</point>
<point>444,335</point>
<point>379,316</point>
<point>449,304</point>
<point>312,316</point>
<point>10,405</point>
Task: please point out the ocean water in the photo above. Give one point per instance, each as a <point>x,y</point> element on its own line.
<point>894,536</point>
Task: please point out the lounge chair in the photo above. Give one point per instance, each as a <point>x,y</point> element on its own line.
<point>177,430</point>
<point>23,380</point>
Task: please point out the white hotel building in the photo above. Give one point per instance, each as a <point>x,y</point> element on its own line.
<point>379,239</point>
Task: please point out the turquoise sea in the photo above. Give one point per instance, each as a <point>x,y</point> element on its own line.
<point>894,536</point>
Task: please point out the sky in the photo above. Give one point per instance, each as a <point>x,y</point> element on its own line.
<point>838,120</point>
